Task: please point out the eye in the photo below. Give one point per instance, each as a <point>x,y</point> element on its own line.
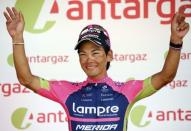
<point>82,54</point>
<point>95,53</point>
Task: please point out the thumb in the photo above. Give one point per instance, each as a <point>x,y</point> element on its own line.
<point>21,17</point>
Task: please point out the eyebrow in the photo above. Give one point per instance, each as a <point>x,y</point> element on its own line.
<point>97,49</point>
<point>93,50</point>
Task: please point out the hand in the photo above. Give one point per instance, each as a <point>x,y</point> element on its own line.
<point>179,28</point>
<point>15,24</point>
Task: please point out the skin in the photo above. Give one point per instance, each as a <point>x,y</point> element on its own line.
<point>92,58</point>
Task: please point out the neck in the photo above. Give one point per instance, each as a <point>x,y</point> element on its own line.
<point>97,80</point>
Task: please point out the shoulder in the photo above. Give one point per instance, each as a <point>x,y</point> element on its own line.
<point>59,83</point>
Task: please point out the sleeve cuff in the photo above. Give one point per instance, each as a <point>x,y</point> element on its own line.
<point>44,84</point>
<point>148,89</point>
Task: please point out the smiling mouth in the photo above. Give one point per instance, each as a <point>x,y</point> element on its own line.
<point>91,66</point>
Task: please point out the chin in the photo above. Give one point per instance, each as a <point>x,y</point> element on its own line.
<point>91,73</point>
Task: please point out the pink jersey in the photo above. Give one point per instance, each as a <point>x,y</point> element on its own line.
<point>96,105</point>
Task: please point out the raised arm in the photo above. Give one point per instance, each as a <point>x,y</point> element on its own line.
<point>179,28</point>
<point>15,26</point>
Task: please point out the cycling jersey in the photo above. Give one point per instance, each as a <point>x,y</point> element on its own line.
<point>97,105</point>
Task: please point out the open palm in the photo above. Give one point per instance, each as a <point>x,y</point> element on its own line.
<point>15,22</point>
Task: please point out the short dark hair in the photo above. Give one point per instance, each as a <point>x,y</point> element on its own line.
<point>107,49</point>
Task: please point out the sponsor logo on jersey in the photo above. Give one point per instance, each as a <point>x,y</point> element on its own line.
<point>107,127</point>
<point>98,110</point>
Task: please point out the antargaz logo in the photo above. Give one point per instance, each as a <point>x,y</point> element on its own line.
<point>141,117</point>
<point>23,118</point>
<point>18,118</point>
<point>31,10</point>
<point>137,115</point>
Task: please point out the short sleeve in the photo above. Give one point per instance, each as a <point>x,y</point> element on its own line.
<point>148,89</point>
<point>46,90</point>
<point>143,90</point>
<point>57,90</point>
<point>135,90</point>
<point>132,88</point>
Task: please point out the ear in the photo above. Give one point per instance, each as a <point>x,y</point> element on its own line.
<point>110,56</point>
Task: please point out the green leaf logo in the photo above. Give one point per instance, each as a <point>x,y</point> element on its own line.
<point>31,10</point>
<point>137,115</point>
<point>18,117</point>
<point>10,60</point>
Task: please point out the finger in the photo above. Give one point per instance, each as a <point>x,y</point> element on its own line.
<point>174,18</point>
<point>15,12</point>
<point>11,14</point>
<point>21,17</point>
<point>184,27</point>
<point>7,16</point>
<point>180,18</point>
<point>181,13</point>
<point>181,25</point>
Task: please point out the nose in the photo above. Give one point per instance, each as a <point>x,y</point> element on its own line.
<point>90,58</point>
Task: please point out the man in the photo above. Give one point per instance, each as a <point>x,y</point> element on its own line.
<point>98,103</point>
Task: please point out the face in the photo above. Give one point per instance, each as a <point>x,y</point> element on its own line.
<point>93,60</point>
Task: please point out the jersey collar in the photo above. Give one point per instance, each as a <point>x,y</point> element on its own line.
<point>103,80</point>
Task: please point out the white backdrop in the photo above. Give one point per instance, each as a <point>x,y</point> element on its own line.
<point>139,31</point>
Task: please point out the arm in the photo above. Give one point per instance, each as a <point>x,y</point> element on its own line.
<point>179,28</point>
<point>15,27</point>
